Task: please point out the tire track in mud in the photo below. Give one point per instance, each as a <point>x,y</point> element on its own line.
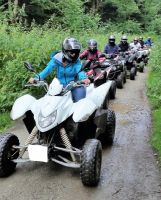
<point>129,169</point>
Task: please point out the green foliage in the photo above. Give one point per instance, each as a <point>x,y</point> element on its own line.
<point>156,137</point>
<point>154,82</point>
<point>155,26</point>
<point>17,47</point>
<point>132,15</point>
<point>129,26</point>
<point>35,46</point>
<point>70,15</point>
<point>14,13</point>
<point>154,94</point>
<point>5,121</point>
<point>125,9</point>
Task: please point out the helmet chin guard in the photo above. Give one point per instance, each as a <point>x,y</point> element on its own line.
<point>92,45</point>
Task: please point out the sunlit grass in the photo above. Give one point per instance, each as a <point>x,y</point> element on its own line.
<point>156,136</point>
<point>154,94</point>
<point>5,121</point>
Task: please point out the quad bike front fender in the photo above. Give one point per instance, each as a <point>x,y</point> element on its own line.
<point>83,109</point>
<point>99,94</point>
<point>21,106</point>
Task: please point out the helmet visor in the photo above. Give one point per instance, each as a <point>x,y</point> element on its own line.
<point>92,47</point>
<point>72,55</point>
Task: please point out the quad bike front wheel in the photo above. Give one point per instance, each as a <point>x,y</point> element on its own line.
<point>107,136</point>
<point>8,153</point>
<point>91,159</point>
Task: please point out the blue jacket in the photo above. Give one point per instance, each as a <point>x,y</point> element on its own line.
<point>148,42</point>
<point>111,49</point>
<point>64,74</point>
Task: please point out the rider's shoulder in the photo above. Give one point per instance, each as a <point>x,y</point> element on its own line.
<point>55,53</point>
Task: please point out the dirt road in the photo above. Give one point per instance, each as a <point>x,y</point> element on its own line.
<point>129,168</point>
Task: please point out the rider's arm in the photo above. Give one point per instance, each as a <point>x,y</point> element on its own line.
<point>99,54</point>
<point>48,69</point>
<point>117,49</point>
<point>81,74</point>
<point>83,54</point>
<point>106,49</point>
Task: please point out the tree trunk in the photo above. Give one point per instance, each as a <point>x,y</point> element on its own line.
<point>15,8</point>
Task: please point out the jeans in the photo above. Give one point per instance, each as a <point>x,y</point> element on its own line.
<point>78,93</point>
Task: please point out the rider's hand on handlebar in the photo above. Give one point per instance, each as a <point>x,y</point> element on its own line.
<point>86,81</point>
<point>32,80</point>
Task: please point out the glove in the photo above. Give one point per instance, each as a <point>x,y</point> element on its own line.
<point>86,81</point>
<point>31,81</point>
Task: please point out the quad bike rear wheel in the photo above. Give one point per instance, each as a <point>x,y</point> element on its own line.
<point>124,75</point>
<point>146,60</point>
<point>107,136</point>
<point>112,91</point>
<point>132,73</point>
<point>106,100</point>
<point>141,66</point>
<point>120,81</point>
<point>91,160</point>
<point>8,153</point>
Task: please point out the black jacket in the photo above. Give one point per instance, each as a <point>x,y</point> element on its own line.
<point>123,47</point>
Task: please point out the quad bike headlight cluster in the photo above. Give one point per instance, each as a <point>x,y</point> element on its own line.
<point>47,121</point>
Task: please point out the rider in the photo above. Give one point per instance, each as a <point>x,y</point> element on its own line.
<point>68,68</point>
<point>124,45</point>
<point>141,41</point>
<point>111,48</point>
<point>148,42</point>
<point>92,53</point>
<point>135,45</point>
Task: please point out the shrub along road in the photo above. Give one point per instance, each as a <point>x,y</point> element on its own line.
<point>129,168</point>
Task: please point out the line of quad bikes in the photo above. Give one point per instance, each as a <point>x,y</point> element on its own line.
<point>71,134</point>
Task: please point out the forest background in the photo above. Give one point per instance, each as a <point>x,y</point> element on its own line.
<point>32,29</point>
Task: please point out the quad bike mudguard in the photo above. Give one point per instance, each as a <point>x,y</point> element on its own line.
<point>83,109</point>
<point>21,106</point>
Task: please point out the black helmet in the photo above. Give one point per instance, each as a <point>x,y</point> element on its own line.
<point>140,38</point>
<point>135,40</point>
<point>124,39</point>
<point>92,45</point>
<point>111,39</point>
<point>71,49</point>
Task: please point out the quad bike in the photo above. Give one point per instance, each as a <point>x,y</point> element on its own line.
<point>98,75</point>
<point>60,130</point>
<point>142,59</point>
<point>117,70</point>
<point>130,63</point>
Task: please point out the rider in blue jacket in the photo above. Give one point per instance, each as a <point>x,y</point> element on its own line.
<point>68,68</point>
<point>148,42</point>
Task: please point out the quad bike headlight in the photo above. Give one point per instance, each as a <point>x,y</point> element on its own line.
<point>47,121</point>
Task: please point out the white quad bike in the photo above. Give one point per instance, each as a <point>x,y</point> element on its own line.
<point>67,133</point>
<point>142,58</point>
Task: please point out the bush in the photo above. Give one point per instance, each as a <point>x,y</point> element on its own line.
<point>129,26</point>
<point>154,26</point>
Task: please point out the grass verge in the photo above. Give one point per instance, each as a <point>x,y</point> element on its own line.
<point>5,122</point>
<point>154,95</point>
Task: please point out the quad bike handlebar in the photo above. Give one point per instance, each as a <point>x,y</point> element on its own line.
<point>38,83</point>
<point>43,83</point>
